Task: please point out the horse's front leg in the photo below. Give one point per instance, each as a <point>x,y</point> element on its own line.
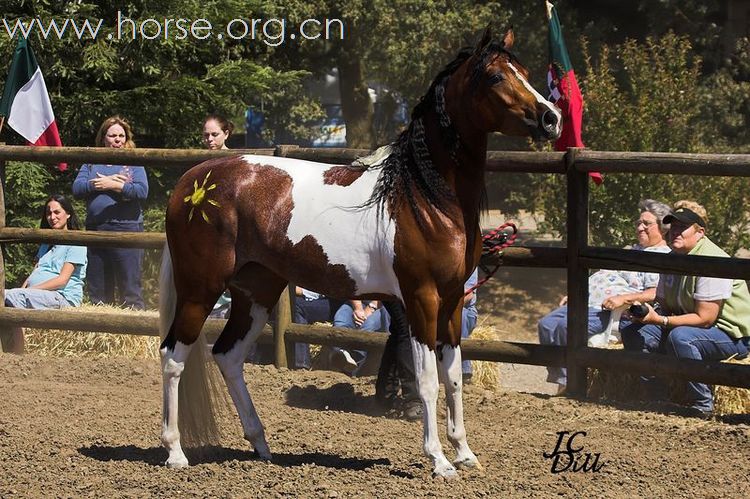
<point>172,365</point>
<point>449,365</point>
<point>423,319</point>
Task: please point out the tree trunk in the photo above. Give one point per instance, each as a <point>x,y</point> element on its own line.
<point>356,105</point>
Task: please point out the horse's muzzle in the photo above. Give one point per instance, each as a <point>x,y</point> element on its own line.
<point>551,125</point>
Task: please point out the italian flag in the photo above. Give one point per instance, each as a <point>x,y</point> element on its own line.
<point>563,89</point>
<point>26,102</point>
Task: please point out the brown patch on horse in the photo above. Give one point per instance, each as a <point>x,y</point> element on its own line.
<point>342,175</point>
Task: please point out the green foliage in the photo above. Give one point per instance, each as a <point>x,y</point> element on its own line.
<point>650,97</point>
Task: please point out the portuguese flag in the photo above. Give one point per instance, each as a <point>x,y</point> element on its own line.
<point>26,102</point>
<point>563,89</point>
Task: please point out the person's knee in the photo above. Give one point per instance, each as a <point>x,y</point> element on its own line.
<point>679,338</point>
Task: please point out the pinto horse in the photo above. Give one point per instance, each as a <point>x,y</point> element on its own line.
<point>404,227</point>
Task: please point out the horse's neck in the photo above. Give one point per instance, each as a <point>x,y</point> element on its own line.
<point>463,169</point>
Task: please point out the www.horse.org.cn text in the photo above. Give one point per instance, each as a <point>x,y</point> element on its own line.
<point>273,32</point>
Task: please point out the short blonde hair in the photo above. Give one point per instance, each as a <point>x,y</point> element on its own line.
<point>115,120</point>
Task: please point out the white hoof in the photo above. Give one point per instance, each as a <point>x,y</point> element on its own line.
<point>469,463</point>
<point>446,472</point>
<point>260,446</point>
<point>177,462</point>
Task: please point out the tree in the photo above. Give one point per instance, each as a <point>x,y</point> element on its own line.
<point>657,104</point>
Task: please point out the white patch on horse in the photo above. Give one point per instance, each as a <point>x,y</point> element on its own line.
<point>350,236</point>
<point>539,99</point>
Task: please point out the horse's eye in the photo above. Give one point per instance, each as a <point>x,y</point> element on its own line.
<point>496,78</point>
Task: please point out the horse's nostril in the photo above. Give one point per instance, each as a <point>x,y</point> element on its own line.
<point>549,120</point>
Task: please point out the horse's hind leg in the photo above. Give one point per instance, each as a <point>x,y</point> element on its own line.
<point>449,366</point>
<point>255,290</point>
<point>189,319</point>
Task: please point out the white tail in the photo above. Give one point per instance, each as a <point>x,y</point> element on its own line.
<point>200,392</point>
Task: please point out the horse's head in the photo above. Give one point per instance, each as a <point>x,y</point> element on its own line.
<point>504,101</point>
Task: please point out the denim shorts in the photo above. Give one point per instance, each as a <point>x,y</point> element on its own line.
<point>34,298</point>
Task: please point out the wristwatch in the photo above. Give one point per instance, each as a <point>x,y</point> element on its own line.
<point>665,321</point>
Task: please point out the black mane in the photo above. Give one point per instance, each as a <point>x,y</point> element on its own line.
<point>409,168</point>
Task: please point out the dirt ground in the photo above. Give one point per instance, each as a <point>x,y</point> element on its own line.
<point>82,427</point>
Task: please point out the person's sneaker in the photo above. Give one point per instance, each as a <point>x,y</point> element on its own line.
<point>342,361</point>
<point>413,410</point>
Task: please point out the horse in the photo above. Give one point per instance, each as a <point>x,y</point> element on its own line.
<point>404,227</point>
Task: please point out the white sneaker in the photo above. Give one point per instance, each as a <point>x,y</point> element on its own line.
<point>341,360</point>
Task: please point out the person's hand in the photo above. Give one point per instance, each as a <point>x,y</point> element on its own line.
<point>563,301</point>
<point>652,317</point>
<point>108,182</point>
<point>613,302</point>
<point>360,316</point>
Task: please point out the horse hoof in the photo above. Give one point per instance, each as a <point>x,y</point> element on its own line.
<point>445,473</point>
<point>468,464</point>
<point>262,456</point>
<point>177,463</point>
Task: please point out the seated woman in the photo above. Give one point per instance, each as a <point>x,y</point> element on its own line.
<point>356,314</point>
<point>57,279</point>
<point>701,318</point>
<point>610,289</point>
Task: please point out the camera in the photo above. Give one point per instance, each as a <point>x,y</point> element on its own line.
<point>638,310</point>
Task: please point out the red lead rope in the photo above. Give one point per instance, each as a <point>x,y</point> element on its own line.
<point>494,242</point>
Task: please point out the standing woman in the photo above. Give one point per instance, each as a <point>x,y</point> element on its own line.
<point>114,195</point>
<point>216,131</point>
<point>57,279</point>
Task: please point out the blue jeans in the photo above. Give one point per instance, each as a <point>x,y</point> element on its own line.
<point>553,330</point>
<point>685,342</point>
<point>468,323</point>
<point>379,320</point>
<point>115,268</point>
<point>307,312</point>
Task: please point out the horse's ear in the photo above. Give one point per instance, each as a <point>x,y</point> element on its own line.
<point>508,39</point>
<point>486,39</point>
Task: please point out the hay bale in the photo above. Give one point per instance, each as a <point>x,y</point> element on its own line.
<point>67,343</point>
<point>730,399</point>
<point>485,374</point>
<point>620,386</point>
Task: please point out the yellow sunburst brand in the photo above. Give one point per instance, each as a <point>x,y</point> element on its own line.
<point>199,195</point>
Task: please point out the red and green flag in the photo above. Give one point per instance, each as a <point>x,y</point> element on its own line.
<point>25,102</point>
<point>564,90</point>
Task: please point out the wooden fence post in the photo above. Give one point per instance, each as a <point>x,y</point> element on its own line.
<point>578,282</point>
<point>2,226</point>
<point>283,350</point>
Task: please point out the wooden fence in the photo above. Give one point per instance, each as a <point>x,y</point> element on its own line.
<point>578,258</point>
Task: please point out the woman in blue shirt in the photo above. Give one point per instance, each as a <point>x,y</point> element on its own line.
<point>57,279</point>
<point>114,195</point>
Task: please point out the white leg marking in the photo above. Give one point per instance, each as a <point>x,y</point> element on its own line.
<point>172,365</point>
<point>425,367</point>
<point>450,370</point>
<point>231,365</point>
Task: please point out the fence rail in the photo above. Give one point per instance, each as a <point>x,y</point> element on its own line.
<point>577,258</point>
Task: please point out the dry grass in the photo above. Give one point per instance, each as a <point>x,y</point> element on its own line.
<point>65,343</point>
<point>626,387</point>
<point>486,374</point>
<point>732,400</point>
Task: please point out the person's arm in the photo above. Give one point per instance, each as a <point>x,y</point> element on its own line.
<point>58,282</point>
<point>618,301</point>
<point>137,188</point>
<point>81,185</point>
<point>705,315</point>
